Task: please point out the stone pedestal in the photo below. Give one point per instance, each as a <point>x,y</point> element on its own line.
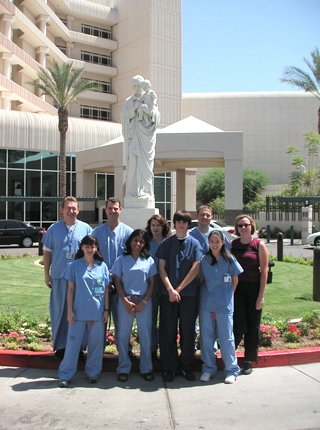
<point>137,211</point>
<point>306,224</point>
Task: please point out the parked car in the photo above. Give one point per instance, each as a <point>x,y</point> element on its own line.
<point>18,232</point>
<point>218,225</point>
<point>314,239</point>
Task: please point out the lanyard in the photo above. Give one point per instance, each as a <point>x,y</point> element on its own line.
<point>70,234</point>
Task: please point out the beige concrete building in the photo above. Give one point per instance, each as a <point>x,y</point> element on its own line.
<point>113,40</point>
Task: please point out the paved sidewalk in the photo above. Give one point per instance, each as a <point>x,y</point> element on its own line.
<point>276,398</point>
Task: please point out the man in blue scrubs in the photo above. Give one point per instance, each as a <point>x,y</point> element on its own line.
<point>60,245</point>
<point>112,236</point>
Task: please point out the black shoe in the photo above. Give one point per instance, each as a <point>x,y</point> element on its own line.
<point>122,377</point>
<point>168,376</point>
<point>59,353</point>
<point>188,374</point>
<point>132,356</point>
<point>154,356</point>
<point>149,377</point>
<point>247,368</point>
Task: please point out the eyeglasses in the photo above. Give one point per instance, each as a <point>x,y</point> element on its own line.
<point>243,225</point>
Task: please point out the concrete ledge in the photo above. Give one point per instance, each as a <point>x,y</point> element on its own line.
<point>47,360</point>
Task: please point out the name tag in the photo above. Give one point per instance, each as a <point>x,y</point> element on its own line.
<point>69,256</point>
<point>227,278</point>
<point>98,290</point>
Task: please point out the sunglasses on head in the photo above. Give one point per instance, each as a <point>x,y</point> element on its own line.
<point>243,225</point>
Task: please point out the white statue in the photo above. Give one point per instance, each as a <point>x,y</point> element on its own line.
<point>140,118</point>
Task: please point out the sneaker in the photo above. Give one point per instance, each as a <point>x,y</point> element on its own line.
<point>188,374</point>
<point>230,379</point>
<point>247,368</point>
<point>168,376</point>
<point>205,377</point>
<point>92,379</point>
<point>63,383</point>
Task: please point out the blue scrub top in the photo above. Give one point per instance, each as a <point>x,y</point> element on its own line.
<point>179,258</point>
<point>112,243</point>
<point>90,286</point>
<point>216,293</point>
<point>134,273</point>
<point>62,241</point>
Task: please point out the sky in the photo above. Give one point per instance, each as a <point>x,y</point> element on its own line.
<point>244,45</point>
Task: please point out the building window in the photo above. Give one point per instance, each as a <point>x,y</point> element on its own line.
<point>63,49</point>
<point>96,31</point>
<point>104,87</point>
<point>64,21</point>
<point>91,57</point>
<point>95,113</point>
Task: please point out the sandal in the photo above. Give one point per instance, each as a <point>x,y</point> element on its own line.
<point>147,376</point>
<point>122,377</point>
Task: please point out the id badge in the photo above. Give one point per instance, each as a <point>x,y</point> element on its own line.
<point>98,290</point>
<point>69,256</point>
<point>227,278</point>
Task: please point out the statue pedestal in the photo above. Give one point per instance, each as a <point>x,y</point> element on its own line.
<point>137,211</point>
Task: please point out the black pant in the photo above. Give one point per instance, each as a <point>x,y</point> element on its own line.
<point>246,319</point>
<point>172,315</point>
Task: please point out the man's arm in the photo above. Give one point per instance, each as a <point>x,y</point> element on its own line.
<point>47,255</point>
<point>193,272</point>
<point>174,296</point>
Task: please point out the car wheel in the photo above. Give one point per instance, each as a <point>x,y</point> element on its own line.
<point>26,242</point>
<point>317,241</point>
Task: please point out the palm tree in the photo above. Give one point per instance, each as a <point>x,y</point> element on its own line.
<point>63,85</point>
<point>303,80</point>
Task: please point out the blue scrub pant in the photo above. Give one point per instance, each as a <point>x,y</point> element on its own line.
<point>114,299</point>
<point>210,330</point>
<point>95,333</point>
<point>58,313</point>
<point>181,314</point>
<point>125,322</point>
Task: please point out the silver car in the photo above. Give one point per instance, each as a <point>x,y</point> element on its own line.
<point>314,239</point>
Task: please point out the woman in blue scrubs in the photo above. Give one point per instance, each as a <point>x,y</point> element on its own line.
<point>88,310</point>
<point>220,271</point>
<point>134,279</point>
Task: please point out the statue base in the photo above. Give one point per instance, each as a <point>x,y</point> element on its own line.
<point>146,202</point>
<point>137,217</point>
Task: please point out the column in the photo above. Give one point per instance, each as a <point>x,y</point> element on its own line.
<point>6,58</point>
<point>233,190</point>
<point>42,21</point>
<point>7,21</point>
<point>306,223</point>
<point>186,188</point>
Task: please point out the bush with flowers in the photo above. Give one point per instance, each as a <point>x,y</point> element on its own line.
<point>267,333</point>
<point>292,334</point>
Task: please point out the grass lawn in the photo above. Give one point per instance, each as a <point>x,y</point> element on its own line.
<point>22,287</point>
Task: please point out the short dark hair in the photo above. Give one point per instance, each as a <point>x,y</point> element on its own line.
<point>89,240</point>
<point>113,200</point>
<point>182,215</point>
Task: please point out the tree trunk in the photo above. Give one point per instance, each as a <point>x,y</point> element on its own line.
<point>63,127</point>
<point>319,120</point>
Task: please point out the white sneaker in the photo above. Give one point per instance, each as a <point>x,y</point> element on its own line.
<point>230,379</point>
<point>205,377</point>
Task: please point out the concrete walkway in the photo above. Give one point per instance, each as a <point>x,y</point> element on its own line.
<point>277,398</point>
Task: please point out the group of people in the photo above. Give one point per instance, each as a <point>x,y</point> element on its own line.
<point>138,274</point>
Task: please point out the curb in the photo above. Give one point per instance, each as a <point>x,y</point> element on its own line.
<point>47,360</point>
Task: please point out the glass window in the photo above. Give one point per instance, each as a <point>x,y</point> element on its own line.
<point>15,210</point>
<point>159,189</point>
<point>33,180</point>
<point>33,211</point>
<point>3,182</point>
<point>110,186</point>
<point>101,186</point>
<point>49,161</point>
<point>33,160</point>
<point>15,183</point>
<point>3,210</point>
<point>16,159</point>
<point>49,211</point>
<point>49,184</point>
<point>3,158</point>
